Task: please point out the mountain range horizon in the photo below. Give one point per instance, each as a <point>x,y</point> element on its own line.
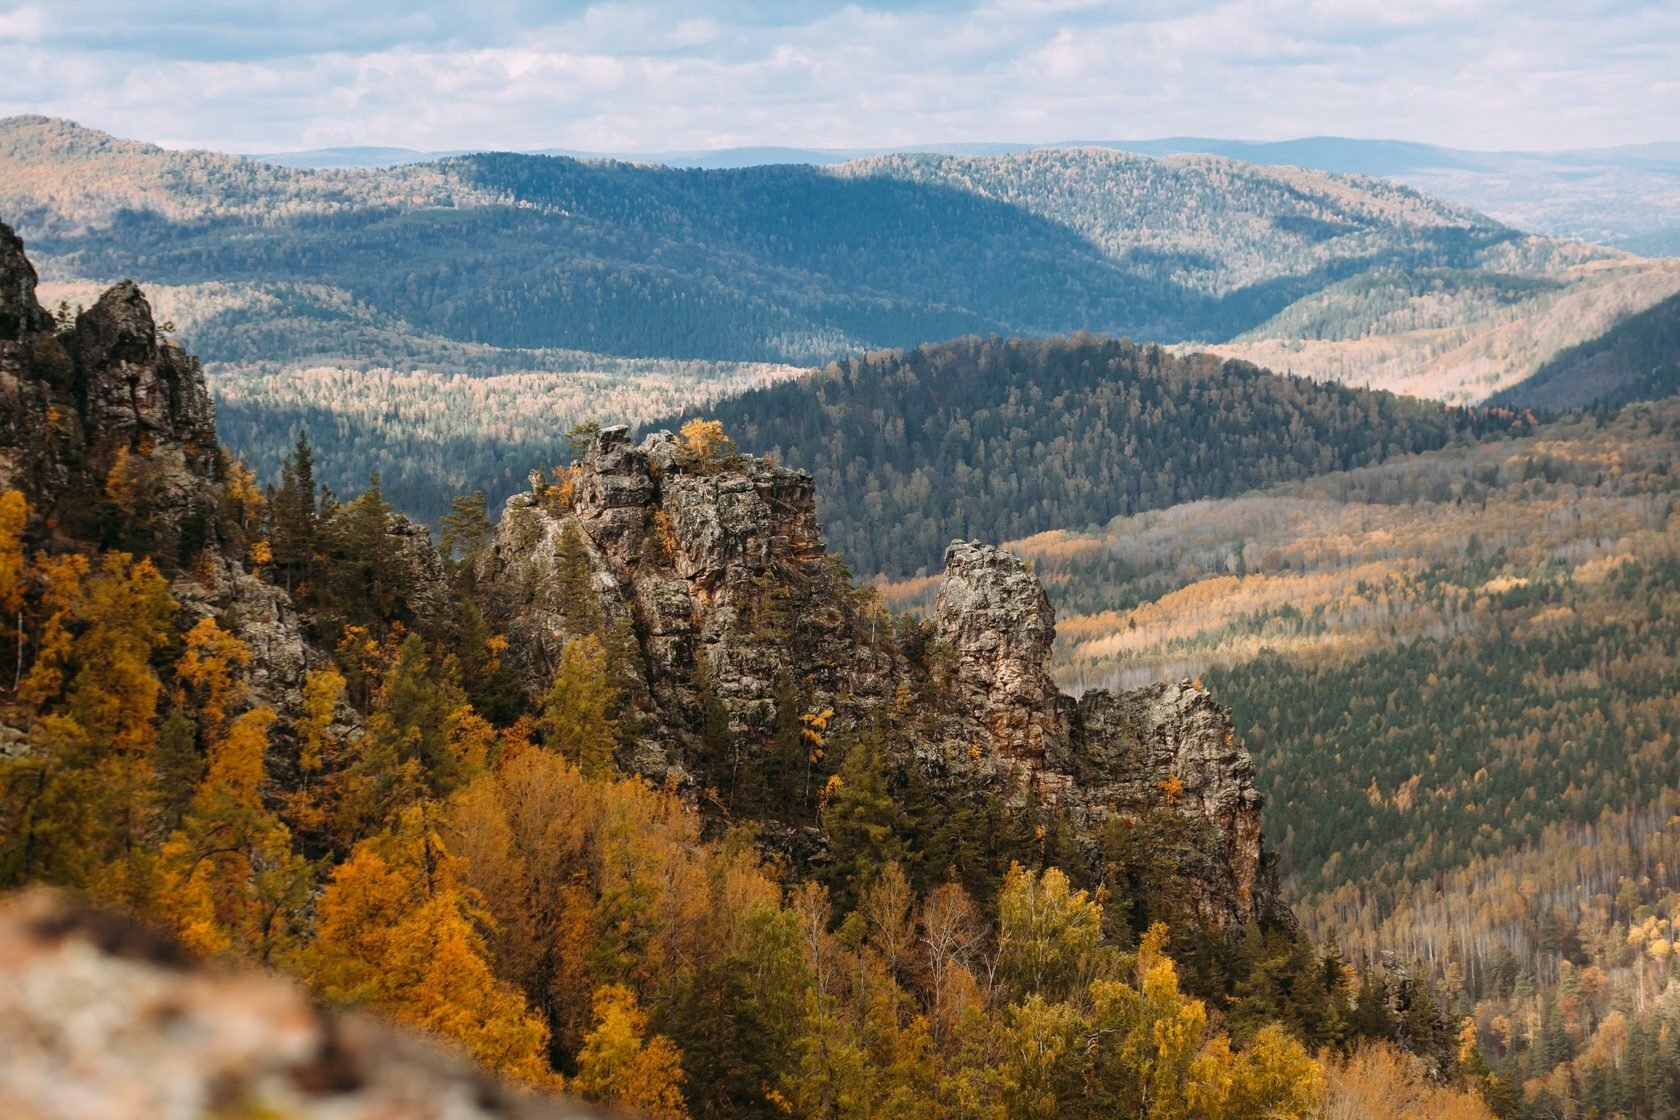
<point>719,561</point>
<point>1664,153</point>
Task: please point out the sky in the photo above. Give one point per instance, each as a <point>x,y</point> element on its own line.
<point>664,75</point>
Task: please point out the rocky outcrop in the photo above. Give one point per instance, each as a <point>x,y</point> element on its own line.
<point>136,391</point>
<point>21,315</point>
<point>36,445</point>
<point>715,572</point>
<point>108,429</point>
<point>428,595</point>
<point>264,618</point>
<point>1173,743</point>
<point>993,613</point>
<point>101,1020</point>
<point>1104,755</point>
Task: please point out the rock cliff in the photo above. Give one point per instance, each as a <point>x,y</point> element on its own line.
<point>109,431</point>
<point>751,649</point>
<point>715,568</point>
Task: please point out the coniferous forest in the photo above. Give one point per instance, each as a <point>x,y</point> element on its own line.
<point>278,726</point>
<point>1042,636</point>
<point>1000,439</point>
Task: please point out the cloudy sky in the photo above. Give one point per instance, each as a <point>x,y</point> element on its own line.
<point>645,75</point>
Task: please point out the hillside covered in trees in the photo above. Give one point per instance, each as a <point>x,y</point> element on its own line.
<point>277,726</point>
<point>553,273</point>
<point>1002,438</point>
<point>1636,360</point>
<point>769,263</point>
<point>1455,671</point>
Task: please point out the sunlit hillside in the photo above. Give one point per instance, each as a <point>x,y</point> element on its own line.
<point>1453,337</point>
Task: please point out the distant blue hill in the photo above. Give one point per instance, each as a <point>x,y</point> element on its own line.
<point>1628,196</point>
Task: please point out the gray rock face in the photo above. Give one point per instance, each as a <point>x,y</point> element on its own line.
<point>264,618</point>
<point>110,391</point>
<point>1105,755</point>
<point>135,391</point>
<point>718,572</point>
<point>429,598</point>
<point>104,393</point>
<point>20,313</point>
<point>1172,742</point>
<point>35,443</point>
<point>994,614</point>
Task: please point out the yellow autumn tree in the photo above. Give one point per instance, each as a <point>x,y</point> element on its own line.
<point>230,878</point>
<point>621,1066</point>
<point>59,587</point>
<point>397,931</point>
<point>1382,1082</point>
<point>125,615</point>
<point>14,516</point>
<point>702,445</point>
<point>206,674</point>
<point>1048,934</point>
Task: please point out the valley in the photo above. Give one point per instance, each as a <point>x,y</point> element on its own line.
<point>651,279</point>
<point>1439,608</point>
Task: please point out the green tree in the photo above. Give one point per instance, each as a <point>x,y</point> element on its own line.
<point>576,709</point>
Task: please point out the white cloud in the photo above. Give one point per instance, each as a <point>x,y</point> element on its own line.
<point>641,75</point>
<point>21,25</point>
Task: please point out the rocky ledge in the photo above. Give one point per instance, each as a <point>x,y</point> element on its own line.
<point>715,572</point>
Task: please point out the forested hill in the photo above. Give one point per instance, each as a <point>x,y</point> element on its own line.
<point>1000,439</point>
<point>1636,360</point>
<point>780,263</point>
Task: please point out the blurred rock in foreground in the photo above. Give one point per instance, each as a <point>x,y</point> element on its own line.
<point>102,1020</point>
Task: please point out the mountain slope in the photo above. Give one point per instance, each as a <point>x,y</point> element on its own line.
<point>1000,439</point>
<point>1211,224</point>
<point>528,265</point>
<point>774,262</point>
<point>1455,336</point>
<point>1637,359</point>
<point>1626,197</point>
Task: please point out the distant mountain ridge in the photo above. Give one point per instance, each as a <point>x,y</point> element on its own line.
<point>1626,196</point>
<point>780,263</point>
<point>311,292</point>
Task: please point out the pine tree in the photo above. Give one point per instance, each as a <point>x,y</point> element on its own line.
<point>861,823</point>
<point>580,609</point>
<point>575,709</point>
<point>464,532</point>
<point>296,538</point>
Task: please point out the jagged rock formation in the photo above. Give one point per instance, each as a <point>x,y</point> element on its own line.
<point>109,394</point>
<point>35,371</point>
<point>705,570</point>
<point>109,431</point>
<point>1104,754</point>
<point>717,569</point>
<point>102,1020</point>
